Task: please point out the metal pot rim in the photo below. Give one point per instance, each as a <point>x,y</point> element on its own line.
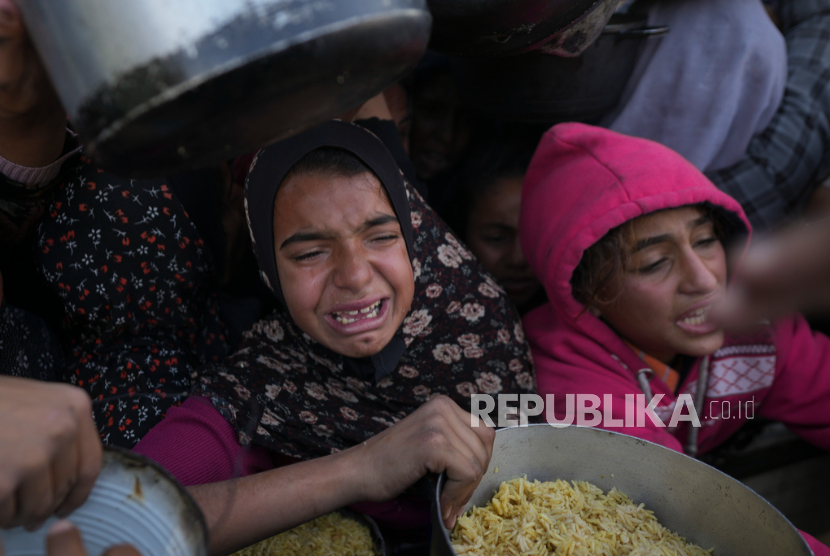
<point>443,536</point>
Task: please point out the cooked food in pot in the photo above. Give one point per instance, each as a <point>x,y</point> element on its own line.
<point>330,534</point>
<point>565,519</point>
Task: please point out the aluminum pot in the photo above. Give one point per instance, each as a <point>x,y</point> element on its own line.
<point>156,86</point>
<point>699,502</point>
<point>539,87</point>
<point>134,501</point>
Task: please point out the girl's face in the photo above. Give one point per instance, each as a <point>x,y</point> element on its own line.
<point>677,273</point>
<point>440,128</point>
<point>493,236</point>
<point>342,261</point>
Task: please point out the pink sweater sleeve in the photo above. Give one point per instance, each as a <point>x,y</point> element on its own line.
<point>800,394</point>
<point>819,549</point>
<point>197,445</point>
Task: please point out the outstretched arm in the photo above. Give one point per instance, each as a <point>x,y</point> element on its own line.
<point>800,395</point>
<point>438,437</point>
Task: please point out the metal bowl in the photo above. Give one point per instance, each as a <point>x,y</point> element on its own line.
<point>155,87</point>
<point>134,501</point>
<point>698,502</point>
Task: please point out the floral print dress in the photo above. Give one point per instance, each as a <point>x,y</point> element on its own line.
<point>138,292</point>
<point>286,392</point>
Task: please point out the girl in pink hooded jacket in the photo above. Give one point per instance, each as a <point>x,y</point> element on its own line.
<point>628,239</point>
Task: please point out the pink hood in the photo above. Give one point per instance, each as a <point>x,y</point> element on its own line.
<point>582,182</point>
<point>585,180</point>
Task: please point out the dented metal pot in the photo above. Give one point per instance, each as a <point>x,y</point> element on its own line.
<point>698,502</point>
<point>155,86</point>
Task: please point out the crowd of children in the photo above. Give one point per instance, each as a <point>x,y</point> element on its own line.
<point>574,260</point>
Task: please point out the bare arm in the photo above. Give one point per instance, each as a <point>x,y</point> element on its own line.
<point>438,437</point>
<point>243,511</point>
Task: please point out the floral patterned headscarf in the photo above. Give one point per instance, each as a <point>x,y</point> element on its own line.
<point>272,164</point>
<point>269,169</point>
<point>462,336</point>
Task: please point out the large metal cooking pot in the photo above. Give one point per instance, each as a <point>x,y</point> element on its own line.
<point>538,87</point>
<point>689,497</point>
<point>154,86</point>
<point>134,501</point>
<point>506,27</point>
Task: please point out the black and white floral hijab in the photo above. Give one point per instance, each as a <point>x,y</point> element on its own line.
<point>268,170</point>
<point>462,336</point>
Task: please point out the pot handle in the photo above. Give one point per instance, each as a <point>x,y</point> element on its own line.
<point>644,32</point>
<point>425,486</point>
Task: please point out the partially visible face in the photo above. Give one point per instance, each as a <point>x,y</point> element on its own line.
<point>440,130</point>
<point>677,273</point>
<point>342,261</point>
<point>493,236</point>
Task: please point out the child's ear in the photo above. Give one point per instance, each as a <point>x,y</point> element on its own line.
<point>595,311</point>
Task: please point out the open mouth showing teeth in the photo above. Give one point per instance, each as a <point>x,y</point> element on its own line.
<point>348,317</point>
<point>697,317</point>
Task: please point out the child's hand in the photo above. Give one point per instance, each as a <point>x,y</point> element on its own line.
<point>65,540</point>
<point>781,274</point>
<point>439,437</point>
<point>51,451</point>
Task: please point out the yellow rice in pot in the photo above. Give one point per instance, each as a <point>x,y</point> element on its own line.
<point>565,519</point>
<point>330,534</point>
